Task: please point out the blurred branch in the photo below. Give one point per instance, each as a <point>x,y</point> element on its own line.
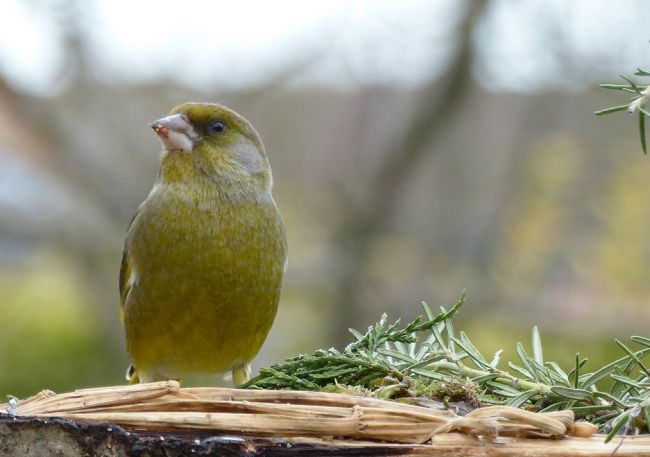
<point>441,101</point>
<point>362,222</point>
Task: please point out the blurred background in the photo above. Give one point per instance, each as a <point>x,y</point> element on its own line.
<point>419,148</point>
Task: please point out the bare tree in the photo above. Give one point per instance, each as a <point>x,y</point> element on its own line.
<point>364,220</point>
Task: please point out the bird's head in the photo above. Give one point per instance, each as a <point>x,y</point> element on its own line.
<point>209,144</point>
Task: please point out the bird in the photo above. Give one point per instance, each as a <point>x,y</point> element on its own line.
<point>205,253</point>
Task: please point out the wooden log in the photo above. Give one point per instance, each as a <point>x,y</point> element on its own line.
<point>56,437</point>
<point>161,419</point>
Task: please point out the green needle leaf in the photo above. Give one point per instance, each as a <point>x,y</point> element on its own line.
<point>356,334</point>
<point>560,373</point>
<point>573,394</point>
<point>633,356</point>
<point>641,340</point>
<point>397,355</point>
<point>536,344</point>
<point>623,87</point>
<point>525,360</point>
<point>642,94</point>
<point>467,346</point>
<point>642,130</point>
<point>613,109</point>
<point>522,398</point>
<point>618,423</point>
<point>632,84</point>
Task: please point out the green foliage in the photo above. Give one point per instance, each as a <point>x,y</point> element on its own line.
<point>637,103</point>
<point>430,356</point>
<point>49,337</point>
<point>453,390</point>
<point>378,353</point>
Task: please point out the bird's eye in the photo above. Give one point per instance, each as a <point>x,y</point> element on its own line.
<point>217,126</point>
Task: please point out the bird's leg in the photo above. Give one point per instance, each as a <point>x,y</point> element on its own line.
<point>241,374</point>
<point>131,375</point>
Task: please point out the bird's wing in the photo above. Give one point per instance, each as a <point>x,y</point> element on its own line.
<point>125,284</point>
<point>127,279</point>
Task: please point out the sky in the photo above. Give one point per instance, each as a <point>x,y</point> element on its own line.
<point>523,44</point>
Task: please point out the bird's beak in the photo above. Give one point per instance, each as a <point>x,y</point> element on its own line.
<point>175,132</point>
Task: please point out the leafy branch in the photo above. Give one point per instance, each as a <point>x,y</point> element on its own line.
<point>428,358</point>
<point>637,102</point>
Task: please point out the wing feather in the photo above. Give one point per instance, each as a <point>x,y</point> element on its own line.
<point>127,273</point>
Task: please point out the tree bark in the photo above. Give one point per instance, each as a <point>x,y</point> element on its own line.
<point>56,437</point>
<point>365,220</point>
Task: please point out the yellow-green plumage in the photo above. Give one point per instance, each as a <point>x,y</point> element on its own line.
<point>205,254</point>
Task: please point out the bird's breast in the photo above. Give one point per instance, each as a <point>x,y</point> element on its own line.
<point>208,240</point>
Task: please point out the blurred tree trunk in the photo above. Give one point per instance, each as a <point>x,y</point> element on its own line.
<point>364,222</point>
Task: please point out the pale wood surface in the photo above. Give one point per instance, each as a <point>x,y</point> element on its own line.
<point>163,419</point>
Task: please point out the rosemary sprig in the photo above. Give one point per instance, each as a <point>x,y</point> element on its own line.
<point>637,103</point>
<point>427,355</point>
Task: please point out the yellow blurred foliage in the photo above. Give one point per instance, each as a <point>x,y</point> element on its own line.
<point>534,230</point>
<point>49,335</point>
<point>621,256</point>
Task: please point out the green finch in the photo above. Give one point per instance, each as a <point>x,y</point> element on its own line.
<point>205,253</point>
